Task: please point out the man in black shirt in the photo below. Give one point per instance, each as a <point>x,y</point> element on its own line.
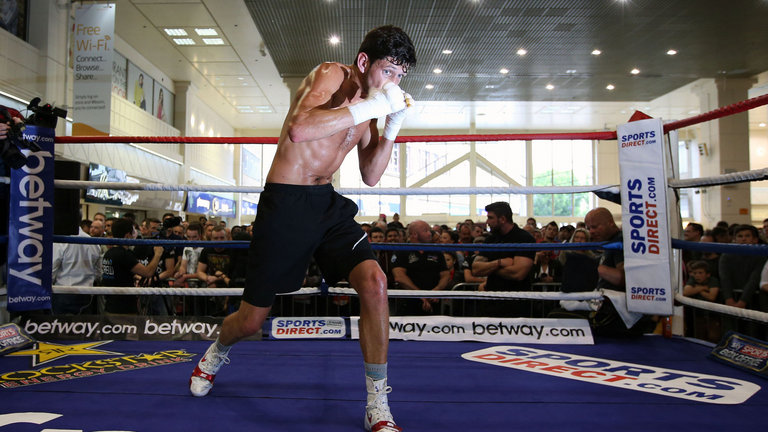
<point>120,264</point>
<point>506,270</point>
<point>420,270</point>
<point>214,266</point>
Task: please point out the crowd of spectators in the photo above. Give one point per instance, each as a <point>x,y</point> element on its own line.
<point>735,280</point>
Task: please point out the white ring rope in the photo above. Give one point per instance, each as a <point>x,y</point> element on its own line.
<point>738,177</point>
<point>724,309</point>
<point>76,184</point>
<point>476,295</point>
<point>509,295</point>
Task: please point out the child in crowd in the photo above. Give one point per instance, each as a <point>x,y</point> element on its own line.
<point>701,285</point>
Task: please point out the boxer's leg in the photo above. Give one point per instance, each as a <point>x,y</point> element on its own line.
<point>245,322</point>
<point>371,285</point>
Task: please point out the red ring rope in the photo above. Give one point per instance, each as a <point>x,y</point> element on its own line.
<point>727,110</point>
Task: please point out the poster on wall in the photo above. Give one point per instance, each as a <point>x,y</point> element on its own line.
<point>163,104</point>
<point>119,75</point>
<point>139,88</point>
<point>13,17</point>
<point>94,33</point>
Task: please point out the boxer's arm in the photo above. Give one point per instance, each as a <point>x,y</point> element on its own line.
<point>312,117</point>
<point>373,154</point>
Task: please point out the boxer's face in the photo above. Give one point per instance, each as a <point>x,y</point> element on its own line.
<point>382,71</point>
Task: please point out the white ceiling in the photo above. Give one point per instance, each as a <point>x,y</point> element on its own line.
<point>241,73</point>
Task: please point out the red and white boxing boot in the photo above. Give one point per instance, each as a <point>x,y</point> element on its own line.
<point>202,378</point>
<point>377,415</point>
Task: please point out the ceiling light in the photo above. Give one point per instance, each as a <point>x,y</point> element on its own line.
<point>671,52</point>
<point>447,51</point>
<point>596,52</point>
<point>175,32</point>
<point>184,41</point>
<point>504,70</point>
<point>610,87</point>
<point>429,86</point>
<point>240,78</point>
<point>490,86</point>
<point>522,52</point>
<point>761,124</point>
<point>213,41</point>
<point>571,71</point>
<point>245,110</point>
<point>334,40</point>
<point>206,32</point>
<point>635,71</point>
<point>437,70</point>
<point>550,87</point>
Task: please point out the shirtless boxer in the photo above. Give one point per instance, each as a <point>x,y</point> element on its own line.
<point>335,109</point>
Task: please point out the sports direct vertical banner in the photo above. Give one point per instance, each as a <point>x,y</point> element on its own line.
<point>647,251</point>
<point>94,32</point>
<point>30,233</point>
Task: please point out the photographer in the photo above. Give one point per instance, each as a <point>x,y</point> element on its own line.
<point>12,125</point>
<point>11,122</point>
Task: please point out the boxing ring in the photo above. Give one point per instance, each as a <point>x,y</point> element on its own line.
<point>100,384</point>
<point>297,386</point>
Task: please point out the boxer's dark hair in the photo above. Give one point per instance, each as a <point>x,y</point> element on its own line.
<point>389,42</point>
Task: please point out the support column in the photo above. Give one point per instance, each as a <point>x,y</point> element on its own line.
<point>182,123</point>
<point>48,22</point>
<point>473,163</point>
<point>727,151</point>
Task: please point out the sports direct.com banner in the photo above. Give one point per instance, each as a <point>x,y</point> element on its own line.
<point>30,233</point>
<point>688,385</point>
<point>504,330</point>
<point>647,254</point>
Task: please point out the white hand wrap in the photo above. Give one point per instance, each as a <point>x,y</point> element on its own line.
<point>379,103</point>
<point>395,120</point>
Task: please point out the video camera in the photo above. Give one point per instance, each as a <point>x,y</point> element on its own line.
<point>10,148</point>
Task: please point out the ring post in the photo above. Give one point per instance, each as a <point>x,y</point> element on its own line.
<point>30,233</point>
<point>645,228</point>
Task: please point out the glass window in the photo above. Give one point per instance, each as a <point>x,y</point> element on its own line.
<point>562,163</point>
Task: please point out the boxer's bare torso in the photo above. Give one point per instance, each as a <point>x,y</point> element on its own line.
<point>313,161</point>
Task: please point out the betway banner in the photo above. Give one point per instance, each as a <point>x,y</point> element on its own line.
<point>506,330</point>
<point>94,32</point>
<point>647,252</point>
<point>123,327</point>
<point>30,233</point>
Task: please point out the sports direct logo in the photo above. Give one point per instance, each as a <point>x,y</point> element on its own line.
<point>651,379</point>
<point>315,328</point>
